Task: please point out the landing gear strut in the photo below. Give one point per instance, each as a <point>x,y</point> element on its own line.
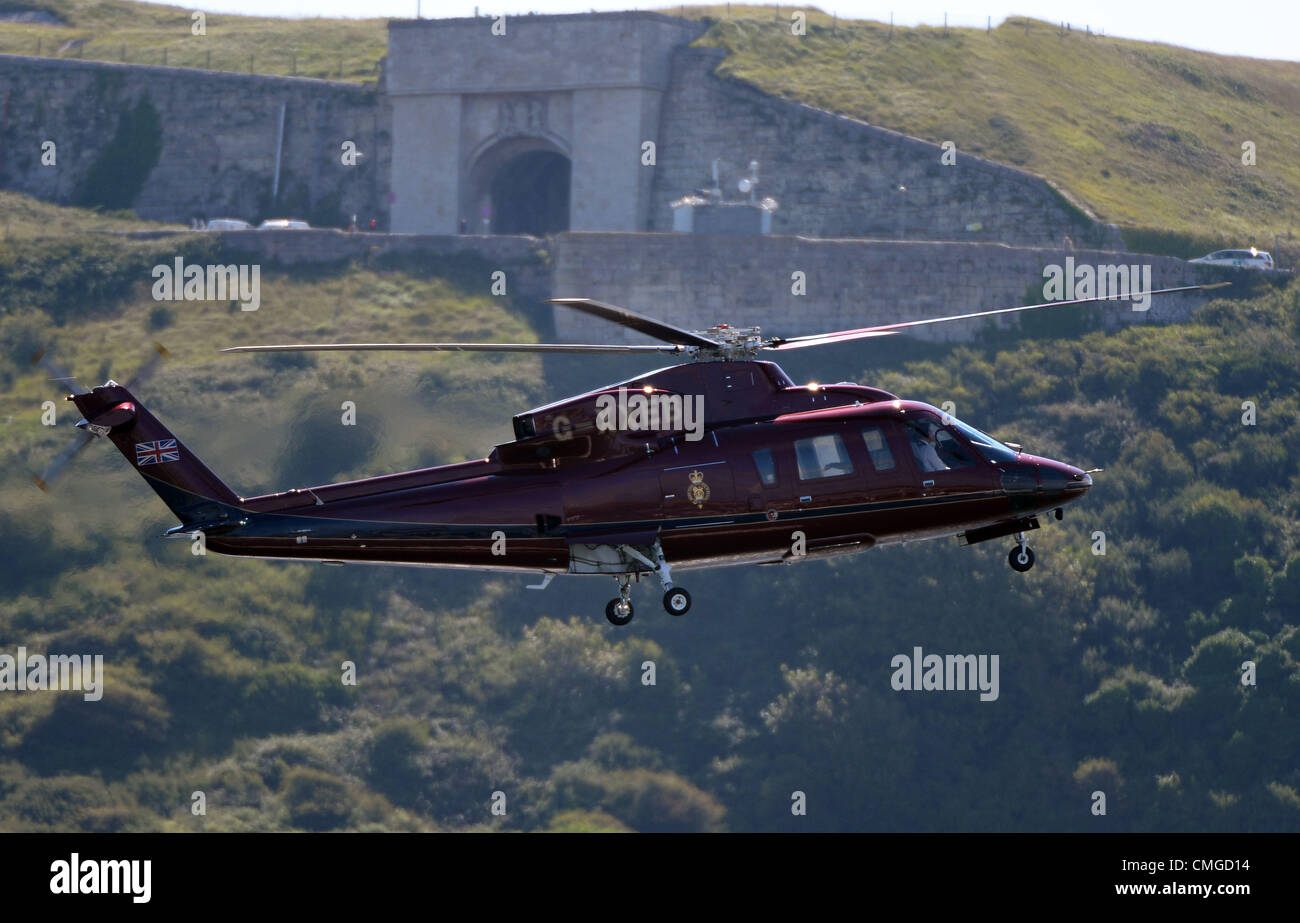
<point>676,600</point>
<point>1021,557</point>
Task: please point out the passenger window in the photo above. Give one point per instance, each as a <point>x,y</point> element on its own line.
<point>881,458</point>
<point>766,467</point>
<point>822,457</point>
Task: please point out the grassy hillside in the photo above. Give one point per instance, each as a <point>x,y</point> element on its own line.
<point>1119,672</point>
<point>1147,136</point>
<point>24,216</point>
<point>148,33</point>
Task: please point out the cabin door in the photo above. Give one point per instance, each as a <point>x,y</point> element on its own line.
<point>702,489</point>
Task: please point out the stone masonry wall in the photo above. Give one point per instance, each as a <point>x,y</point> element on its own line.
<point>695,281</point>
<point>219,138</point>
<point>522,258</point>
<point>835,176</point>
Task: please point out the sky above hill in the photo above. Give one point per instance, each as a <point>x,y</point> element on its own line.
<point>1264,29</point>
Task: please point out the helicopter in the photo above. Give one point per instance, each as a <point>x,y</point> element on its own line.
<point>715,461</point>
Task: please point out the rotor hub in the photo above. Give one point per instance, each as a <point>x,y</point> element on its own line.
<point>733,343</point>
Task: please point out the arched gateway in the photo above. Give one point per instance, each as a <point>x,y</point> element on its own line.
<point>519,185</point>
<point>537,130</point>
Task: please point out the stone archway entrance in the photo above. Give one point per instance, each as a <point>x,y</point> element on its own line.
<point>521,186</point>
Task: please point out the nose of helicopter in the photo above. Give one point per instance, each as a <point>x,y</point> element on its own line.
<point>1062,483</point>
<point>1051,483</point>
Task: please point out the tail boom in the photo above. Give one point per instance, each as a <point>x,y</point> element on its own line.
<point>185,484</point>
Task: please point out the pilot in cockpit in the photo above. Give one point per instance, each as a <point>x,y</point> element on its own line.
<point>921,434</point>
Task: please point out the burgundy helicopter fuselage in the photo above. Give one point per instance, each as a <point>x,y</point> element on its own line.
<point>723,460</point>
<point>776,472</point>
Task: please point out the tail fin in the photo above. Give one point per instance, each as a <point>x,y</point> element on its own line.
<point>183,482</point>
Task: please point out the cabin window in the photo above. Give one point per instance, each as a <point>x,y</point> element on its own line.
<point>822,457</point>
<point>881,458</point>
<point>766,467</point>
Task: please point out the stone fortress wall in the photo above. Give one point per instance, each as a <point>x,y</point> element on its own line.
<point>219,137</point>
<point>697,281</point>
<point>881,229</point>
<point>834,176</point>
<point>457,103</point>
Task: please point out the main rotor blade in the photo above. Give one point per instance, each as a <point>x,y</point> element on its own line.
<point>638,322</point>
<point>821,339</point>
<point>840,336</point>
<point>455,347</point>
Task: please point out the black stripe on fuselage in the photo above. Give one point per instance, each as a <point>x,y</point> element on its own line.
<point>281,525</point>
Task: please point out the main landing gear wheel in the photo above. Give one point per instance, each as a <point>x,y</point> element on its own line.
<point>619,611</point>
<point>1021,558</point>
<point>677,601</point>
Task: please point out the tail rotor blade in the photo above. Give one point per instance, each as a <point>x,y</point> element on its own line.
<point>42,359</point>
<point>45,480</point>
<point>145,372</point>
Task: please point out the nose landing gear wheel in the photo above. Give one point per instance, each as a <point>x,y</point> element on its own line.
<point>677,601</point>
<point>618,611</point>
<point>1021,559</point>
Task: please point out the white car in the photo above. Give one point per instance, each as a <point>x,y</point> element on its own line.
<point>1246,259</point>
<point>282,224</point>
<point>226,224</point>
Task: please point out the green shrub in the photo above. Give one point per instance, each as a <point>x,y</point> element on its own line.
<point>317,800</point>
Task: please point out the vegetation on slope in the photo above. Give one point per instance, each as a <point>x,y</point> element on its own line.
<point>22,216</point>
<point>1119,672</point>
<point>148,33</point>
<point>1146,135</point>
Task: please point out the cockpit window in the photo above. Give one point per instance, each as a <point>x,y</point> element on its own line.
<point>934,447</point>
<point>985,444</point>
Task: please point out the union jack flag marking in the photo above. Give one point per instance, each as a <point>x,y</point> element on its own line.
<point>152,453</point>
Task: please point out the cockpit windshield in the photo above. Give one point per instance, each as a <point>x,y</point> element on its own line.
<point>985,444</point>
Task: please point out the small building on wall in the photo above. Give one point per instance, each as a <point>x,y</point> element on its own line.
<point>530,124</point>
